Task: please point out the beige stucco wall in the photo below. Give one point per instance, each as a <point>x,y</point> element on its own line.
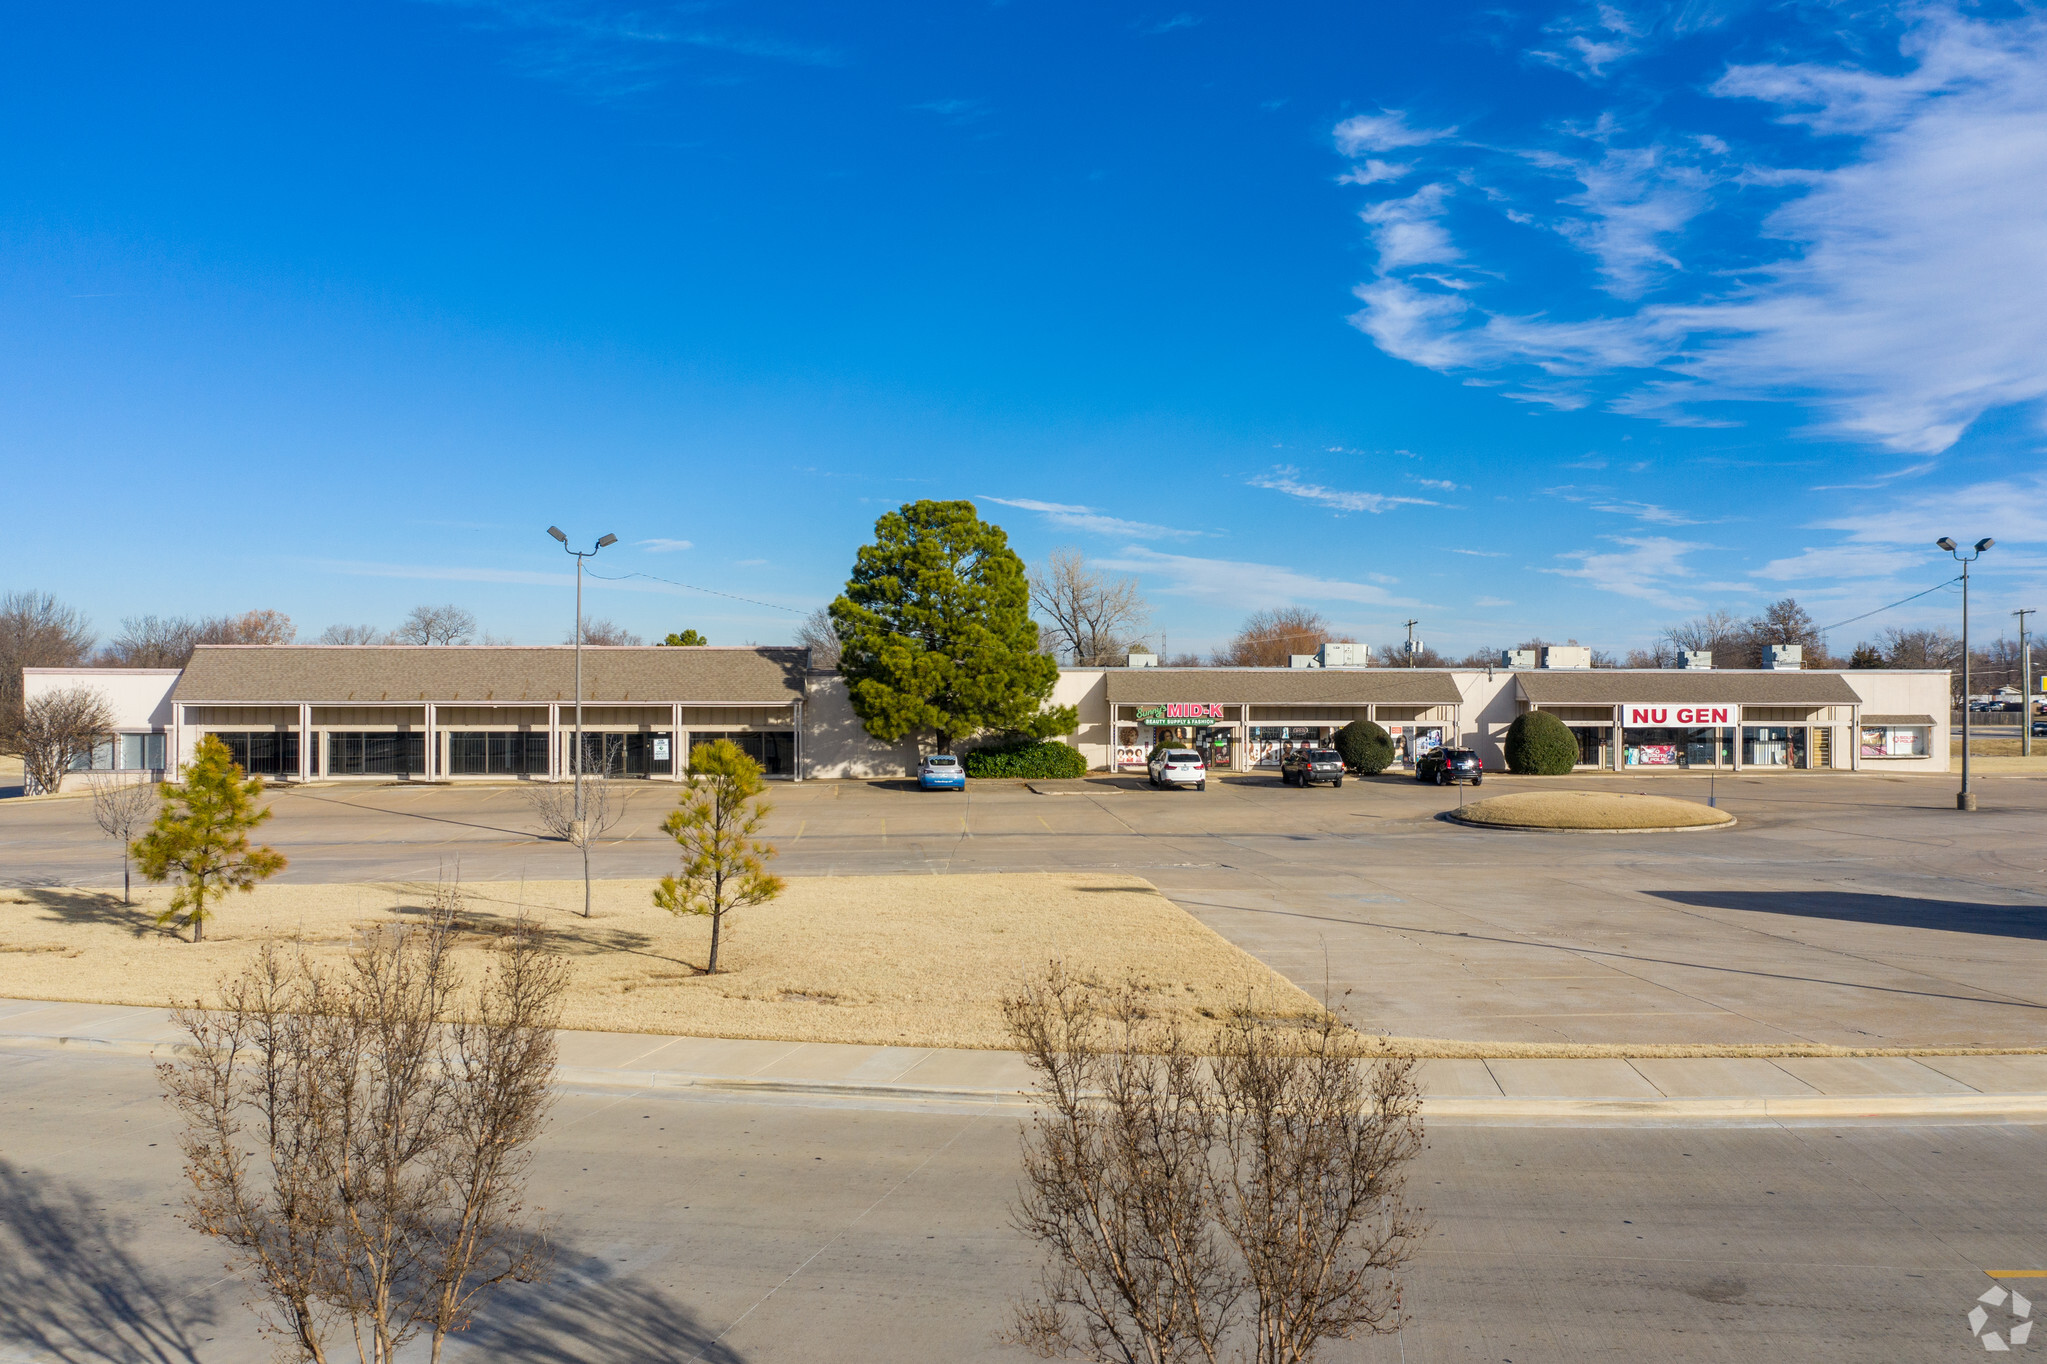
<point>1086,690</point>
<point>836,745</point>
<point>1888,692</point>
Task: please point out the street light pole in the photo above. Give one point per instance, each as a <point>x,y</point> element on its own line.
<point>577,833</point>
<point>1966,799</point>
<point>2025,686</point>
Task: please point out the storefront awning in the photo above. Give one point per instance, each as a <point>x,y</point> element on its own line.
<point>1898,720</point>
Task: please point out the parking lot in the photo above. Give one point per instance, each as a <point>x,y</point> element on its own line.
<point>1847,910</point>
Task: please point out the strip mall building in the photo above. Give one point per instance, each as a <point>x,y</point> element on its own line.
<point>378,712</point>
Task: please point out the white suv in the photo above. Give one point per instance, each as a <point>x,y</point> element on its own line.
<point>1179,767</point>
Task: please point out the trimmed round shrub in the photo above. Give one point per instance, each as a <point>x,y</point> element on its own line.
<point>1365,747</point>
<point>1540,745</point>
<point>1028,759</point>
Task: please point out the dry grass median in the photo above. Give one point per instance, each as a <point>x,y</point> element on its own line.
<point>1608,811</point>
<point>902,960</point>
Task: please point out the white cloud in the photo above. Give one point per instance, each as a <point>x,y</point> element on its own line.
<point>660,546</point>
<point>1646,568</point>
<point>1444,485</point>
<point>1898,289</point>
<point>1406,231</point>
<point>1231,582</point>
<point>1286,480</point>
<point>1647,511</point>
<point>1088,519</point>
<point>1385,131</point>
<point>1491,601</point>
<point>1482,553</point>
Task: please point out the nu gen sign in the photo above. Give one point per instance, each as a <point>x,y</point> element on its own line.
<point>1675,717</point>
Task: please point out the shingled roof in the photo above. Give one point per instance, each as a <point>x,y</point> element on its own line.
<point>1656,686</point>
<point>338,673</point>
<point>1286,686</point>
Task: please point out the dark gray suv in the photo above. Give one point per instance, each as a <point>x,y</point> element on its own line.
<point>1306,766</point>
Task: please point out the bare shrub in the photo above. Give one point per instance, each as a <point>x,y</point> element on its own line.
<point>363,1156</point>
<point>556,808</point>
<point>1245,1206</point>
<point>57,729</point>
<point>123,809</point>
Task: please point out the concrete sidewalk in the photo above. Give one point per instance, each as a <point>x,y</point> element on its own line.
<point>1575,1091</point>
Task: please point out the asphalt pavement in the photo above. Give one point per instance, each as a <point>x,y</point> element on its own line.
<point>699,1225</point>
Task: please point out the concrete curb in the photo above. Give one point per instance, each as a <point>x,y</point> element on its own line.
<point>1452,817</point>
<point>1525,1111</point>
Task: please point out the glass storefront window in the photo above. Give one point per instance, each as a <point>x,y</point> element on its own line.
<point>1679,748</point>
<point>374,754</point>
<point>1410,742</point>
<point>144,752</point>
<point>774,752</point>
<point>1896,741</point>
<point>1773,746</point>
<point>263,752</point>
<point>1269,743</point>
<point>99,759</point>
<point>1592,741</point>
<point>481,753</point>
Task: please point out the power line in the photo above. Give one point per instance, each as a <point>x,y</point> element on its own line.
<point>1826,629</point>
<point>712,591</point>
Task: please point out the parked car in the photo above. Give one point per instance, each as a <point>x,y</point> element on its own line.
<point>2040,729</point>
<point>941,772</point>
<point>1448,766</point>
<point>1178,767</point>
<point>1306,766</point>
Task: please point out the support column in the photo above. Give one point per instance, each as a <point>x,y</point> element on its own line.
<point>796,741</point>
<point>1619,746</point>
<point>554,730</point>
<point>678,756</point>
<point>427,770</point>
<point>307,763</point>
<point>1737,738</point>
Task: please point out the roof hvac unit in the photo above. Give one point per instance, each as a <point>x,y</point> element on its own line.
<point>1345,654</point>
<point>1784,657</point>
<point>1142,658</point>
<point>1517,658</point>
<point>1566,656</point>
<point>1695,658</point>
<point>1304,660</point>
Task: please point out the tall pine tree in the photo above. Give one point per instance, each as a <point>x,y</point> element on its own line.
<point>936,632</point>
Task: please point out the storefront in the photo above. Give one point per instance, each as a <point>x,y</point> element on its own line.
<point>1246,719</point>
<point>1680,719</point>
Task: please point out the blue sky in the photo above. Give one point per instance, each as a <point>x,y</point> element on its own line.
<point>1571,321</point>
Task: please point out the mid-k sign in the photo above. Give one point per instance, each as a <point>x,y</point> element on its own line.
<point>1663,717</point>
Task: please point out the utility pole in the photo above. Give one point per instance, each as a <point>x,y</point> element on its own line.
<point>2025,686</point>
<point>1410,641</point>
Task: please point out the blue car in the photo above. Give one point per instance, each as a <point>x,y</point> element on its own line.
<point>941,772</point>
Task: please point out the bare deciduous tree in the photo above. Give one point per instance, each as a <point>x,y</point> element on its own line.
<point>1247,1206</point>
<point>604,632</point>
<point>168,641</point>
<point>36,631</point>
<point>1268,639</point>
<point>1720,633</point>
<point>448,624</point>
<point>554,807</point>
<point>1091,617</point>
<point>351,634</point>
<point>55,730</point>
<point>123,809</point>
<point>361,1152</point>
<point>817,635</point>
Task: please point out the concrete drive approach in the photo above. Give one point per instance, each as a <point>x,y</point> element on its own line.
<point>699,1223</point>
<point>1856,911</point>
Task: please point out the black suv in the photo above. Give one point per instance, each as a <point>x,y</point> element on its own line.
<point>1448,766</point>
<point>1306,766</point>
